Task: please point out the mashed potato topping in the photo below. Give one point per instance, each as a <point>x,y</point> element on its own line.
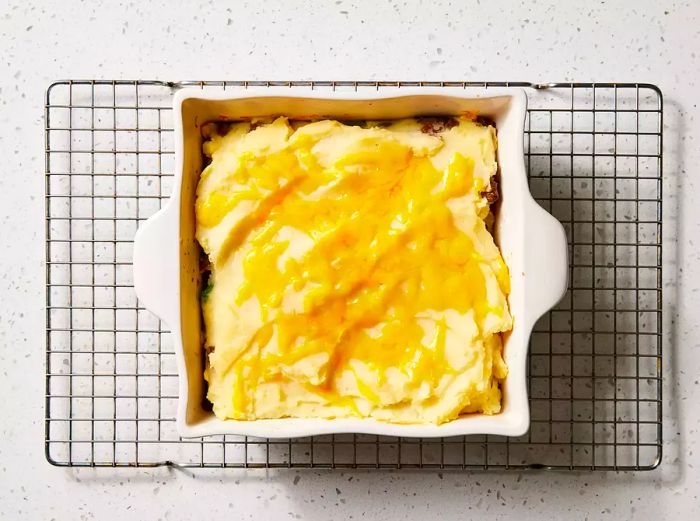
<point>352,272</point>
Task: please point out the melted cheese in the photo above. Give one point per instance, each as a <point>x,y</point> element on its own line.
<point>352,272</point>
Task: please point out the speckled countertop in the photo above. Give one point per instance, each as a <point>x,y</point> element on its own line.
<point>42,41</point>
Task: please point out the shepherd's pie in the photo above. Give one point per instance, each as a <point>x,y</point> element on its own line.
<point>351,270</point>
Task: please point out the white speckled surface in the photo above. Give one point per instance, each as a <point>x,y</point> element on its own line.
<point>42,41</point>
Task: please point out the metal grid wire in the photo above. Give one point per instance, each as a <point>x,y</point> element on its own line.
<point>594,158</point>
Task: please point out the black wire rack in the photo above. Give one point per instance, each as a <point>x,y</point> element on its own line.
<point>594,157</point>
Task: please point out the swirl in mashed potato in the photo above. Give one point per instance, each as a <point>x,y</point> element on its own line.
<point>352,271</point>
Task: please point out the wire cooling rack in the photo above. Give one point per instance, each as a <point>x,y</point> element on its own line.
<point>594,159</point>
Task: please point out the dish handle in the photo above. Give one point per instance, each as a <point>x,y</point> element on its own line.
<point>156,263</point>
<point>546,261</point>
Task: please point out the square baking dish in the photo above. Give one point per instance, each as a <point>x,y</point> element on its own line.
<point>166,253</point>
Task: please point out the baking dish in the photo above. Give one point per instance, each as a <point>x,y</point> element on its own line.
<point>166,254</point>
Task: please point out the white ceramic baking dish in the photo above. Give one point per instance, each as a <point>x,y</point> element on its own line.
<point>166,254</point>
